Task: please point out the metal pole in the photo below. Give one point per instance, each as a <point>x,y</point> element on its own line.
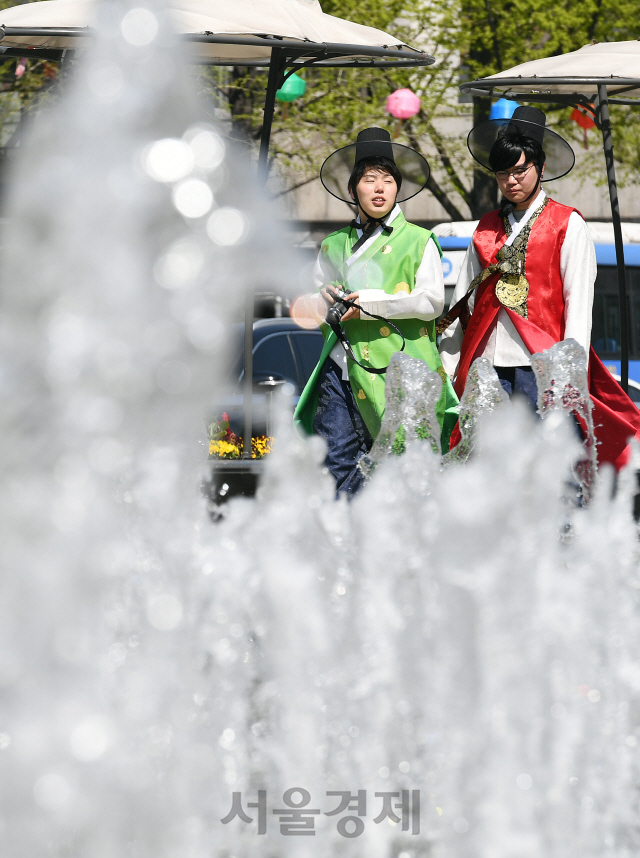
<point>247,383</point>
<point>274,82</point>
<point>276,68</point>
<point>607,142</point>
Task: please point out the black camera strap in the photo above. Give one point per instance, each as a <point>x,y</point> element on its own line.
<point>346,345</point>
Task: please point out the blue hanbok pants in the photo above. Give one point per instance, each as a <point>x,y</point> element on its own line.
<point>338,420</point>
<point>519,381</point>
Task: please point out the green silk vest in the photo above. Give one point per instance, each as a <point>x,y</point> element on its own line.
<point>389,263</point>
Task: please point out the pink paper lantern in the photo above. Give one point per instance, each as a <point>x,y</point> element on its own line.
<point>403,104</point>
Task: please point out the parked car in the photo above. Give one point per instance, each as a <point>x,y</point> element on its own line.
<point>283,353</point>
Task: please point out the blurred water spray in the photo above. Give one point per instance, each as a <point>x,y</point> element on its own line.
<point>132,234</point>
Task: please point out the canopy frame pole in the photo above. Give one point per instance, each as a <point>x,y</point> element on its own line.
<point>274,82</point>
<point>247,382</point>
<point>276,72</point>
<point>604,121</point>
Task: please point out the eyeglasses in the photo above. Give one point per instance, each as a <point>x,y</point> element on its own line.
<point>518,173</point>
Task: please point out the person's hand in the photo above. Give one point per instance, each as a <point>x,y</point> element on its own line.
<point>328,294</point>
<point>352,312</point>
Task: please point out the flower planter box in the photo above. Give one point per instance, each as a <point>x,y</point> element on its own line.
<point>230,478</point>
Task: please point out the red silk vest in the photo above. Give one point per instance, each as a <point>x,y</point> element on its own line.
<point>615,416</point>
<point>545,303</point>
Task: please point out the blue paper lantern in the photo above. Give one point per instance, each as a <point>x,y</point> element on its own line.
<point>503,109</point>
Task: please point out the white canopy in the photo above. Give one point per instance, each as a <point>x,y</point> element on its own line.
<point>299,20</point>
<point>617,64</point>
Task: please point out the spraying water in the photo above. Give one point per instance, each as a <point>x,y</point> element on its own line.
<point>435,645</point>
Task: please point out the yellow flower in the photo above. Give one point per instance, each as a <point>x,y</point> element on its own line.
<point>223,450</point>
<point>261,446</point>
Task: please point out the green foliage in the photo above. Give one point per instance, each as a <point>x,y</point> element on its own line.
<point>399,445</point>
<point>21,93</point>
<point>423,432</point>
<point>505,34</point>
<point>502,34</point>
<point>340,102</point>
<point>469,38</point>
<point>24,84</point>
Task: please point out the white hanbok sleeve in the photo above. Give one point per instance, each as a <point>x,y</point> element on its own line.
<point>451,341</point>
<point>426,299</point>
<point>578,269</point>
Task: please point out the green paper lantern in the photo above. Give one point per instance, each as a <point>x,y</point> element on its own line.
<point>292,88</point>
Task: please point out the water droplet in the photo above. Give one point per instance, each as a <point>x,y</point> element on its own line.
<point>167,160</point>
<point>105,80</point>
<point>52,792</point>
<point>90,739</point>
<point>139,27</point>
<point>227,227</point>
<point>164,612</point>
<point>207,147</point>
<point>193,198</point>
<point>117,654</point>
<point>228,738</point>
<point>180,265</point>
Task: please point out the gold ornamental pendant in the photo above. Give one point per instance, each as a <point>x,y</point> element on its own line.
<point>512,291</point>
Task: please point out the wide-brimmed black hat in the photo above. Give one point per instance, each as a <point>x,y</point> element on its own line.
<point>370,143</point>
<point>526,122</point>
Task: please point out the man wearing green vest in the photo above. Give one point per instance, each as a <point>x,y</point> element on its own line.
<point>394,271</point>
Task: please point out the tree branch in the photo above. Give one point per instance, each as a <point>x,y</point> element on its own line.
<point>442,197</point>
<point>300,184</point>
<point>445,160</point>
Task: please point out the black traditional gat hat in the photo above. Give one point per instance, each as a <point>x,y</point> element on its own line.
<point>371,143</point>
<point>525,122</point>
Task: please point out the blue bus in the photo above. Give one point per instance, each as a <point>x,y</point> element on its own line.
<point>606,315</point>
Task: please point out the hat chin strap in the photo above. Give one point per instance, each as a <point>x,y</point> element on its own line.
<point>506,207</point>
<point>372,222</point>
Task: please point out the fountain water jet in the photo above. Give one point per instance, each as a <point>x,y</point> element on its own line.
<point>483,393</point>
<point>561,374</point>
<point>412,390</point>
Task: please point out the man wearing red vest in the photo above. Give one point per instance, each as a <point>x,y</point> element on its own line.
<point>527,280</point>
